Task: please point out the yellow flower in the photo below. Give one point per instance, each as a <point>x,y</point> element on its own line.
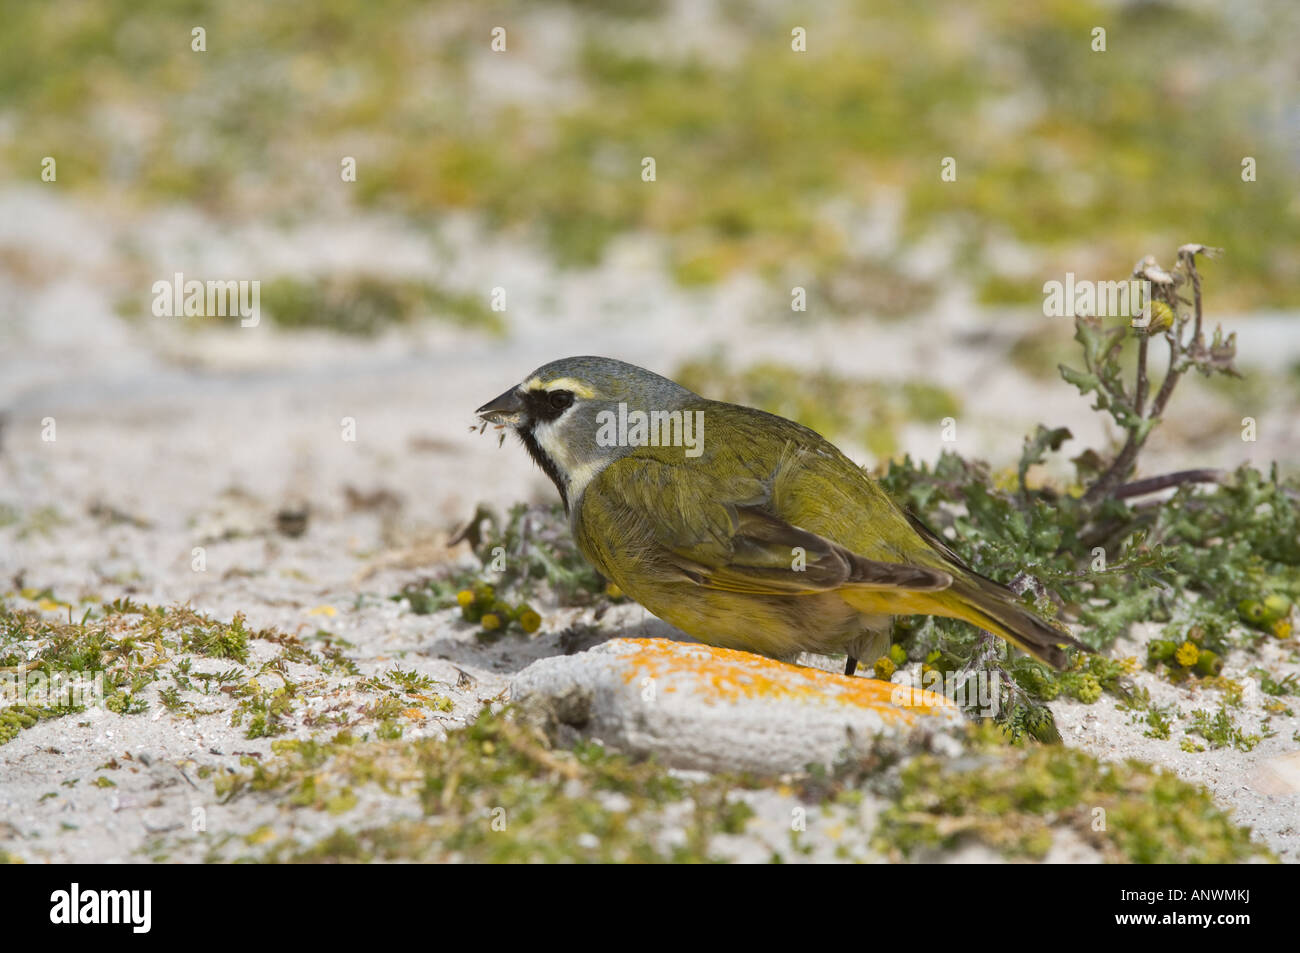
<point>530,621</point>
<point>1162,317</point>
<point>1187,655</point>
<point>465,597</point>
<point>884,668</point>
<point>491,621</point>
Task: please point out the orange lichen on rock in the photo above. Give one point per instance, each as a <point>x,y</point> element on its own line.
<point>725,675</point>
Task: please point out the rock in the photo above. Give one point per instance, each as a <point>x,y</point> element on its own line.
<point>1278,776</point>
<point>699,707</point>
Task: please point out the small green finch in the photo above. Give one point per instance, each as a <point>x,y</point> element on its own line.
<point>741,528</point>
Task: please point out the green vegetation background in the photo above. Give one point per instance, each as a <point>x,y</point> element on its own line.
<point>1057,146</point>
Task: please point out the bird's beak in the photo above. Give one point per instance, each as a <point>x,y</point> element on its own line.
<point>507,409</point>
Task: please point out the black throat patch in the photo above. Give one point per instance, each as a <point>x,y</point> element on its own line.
<point>543,460</point>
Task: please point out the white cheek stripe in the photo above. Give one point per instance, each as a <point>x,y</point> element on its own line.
<point>580,477</point>
<point>576,475</point>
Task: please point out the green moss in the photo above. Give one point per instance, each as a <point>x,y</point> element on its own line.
<point>1159,724</point>
<point>1011,799</point>
<point>219,641</point>
<point>118,650</point>
<point>1001,290</point>
<point>122,703</point>
<point>264,712</point>
<point>411,681</point>
<point>367,304</point>
<point>491,792</point>
<point>1056,145</point>
<point>1221,730</point>
<point>15,718</point>
<point>42,521</point>
<point>1271,685</point>
<point>495,791</point>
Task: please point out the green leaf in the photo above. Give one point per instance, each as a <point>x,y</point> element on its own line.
<point>1085,382</point>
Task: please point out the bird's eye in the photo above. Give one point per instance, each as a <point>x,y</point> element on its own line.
<point>560,399</point>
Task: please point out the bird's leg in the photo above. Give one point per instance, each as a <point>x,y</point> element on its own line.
<point>850,665</point>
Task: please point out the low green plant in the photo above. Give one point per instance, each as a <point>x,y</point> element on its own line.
<point>528,555</point>
<point>1088,552</point>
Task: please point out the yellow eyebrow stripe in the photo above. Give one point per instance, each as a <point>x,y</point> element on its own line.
<point>560,383</point>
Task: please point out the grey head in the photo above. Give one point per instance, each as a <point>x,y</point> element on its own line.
<point>559,409</point>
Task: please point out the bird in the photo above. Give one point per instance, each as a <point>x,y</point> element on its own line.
<point>743,529</point>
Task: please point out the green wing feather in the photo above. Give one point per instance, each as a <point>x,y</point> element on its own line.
<point>744,516</point>
<point>732,519</point>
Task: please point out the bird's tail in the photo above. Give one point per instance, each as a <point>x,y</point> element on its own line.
<point>994,607</point>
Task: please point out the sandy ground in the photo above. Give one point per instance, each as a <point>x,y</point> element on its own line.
<point>1262,786</point>
<point>170,439</point>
